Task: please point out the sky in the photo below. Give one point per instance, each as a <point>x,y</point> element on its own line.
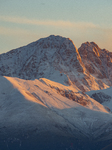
<point>25,21</point>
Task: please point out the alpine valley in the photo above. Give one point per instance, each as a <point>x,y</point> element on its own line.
<point>54,96</point>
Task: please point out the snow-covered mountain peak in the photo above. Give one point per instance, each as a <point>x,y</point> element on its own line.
<point>57,58</point>
<point>43,58</point>
<point>56,42</point>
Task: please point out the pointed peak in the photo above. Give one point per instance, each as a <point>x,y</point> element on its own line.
<point>56,41</point>
<point>57,38</point>
<point>94,45</point>
<point>90,45</point>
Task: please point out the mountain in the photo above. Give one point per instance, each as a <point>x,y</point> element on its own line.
<point>57,58</point>
<point>55,96</point>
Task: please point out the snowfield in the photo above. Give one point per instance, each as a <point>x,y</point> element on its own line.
<point>37,104</point>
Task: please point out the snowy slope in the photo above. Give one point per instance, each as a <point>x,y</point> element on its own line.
<point>56,58</point>
<point>27,104</point>
<point>21,112</point>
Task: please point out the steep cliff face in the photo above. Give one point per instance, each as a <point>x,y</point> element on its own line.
<point>57,58</point>
<point>97,61</point>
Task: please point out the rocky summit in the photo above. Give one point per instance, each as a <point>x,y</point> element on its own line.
<point>57,58</point>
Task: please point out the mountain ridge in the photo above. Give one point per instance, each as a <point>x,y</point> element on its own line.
<point>55,55</point>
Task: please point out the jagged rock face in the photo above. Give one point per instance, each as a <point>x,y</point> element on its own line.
<point>96,60</point>
<point>56,58</point>
<point>41,59</point>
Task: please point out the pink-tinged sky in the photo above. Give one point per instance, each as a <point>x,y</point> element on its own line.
<point>25,21</point>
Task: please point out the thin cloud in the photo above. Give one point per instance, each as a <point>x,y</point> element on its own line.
<point>90,31</point>
<point>58,23</point>
<point>6,31</point>
<point>12,31</point>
